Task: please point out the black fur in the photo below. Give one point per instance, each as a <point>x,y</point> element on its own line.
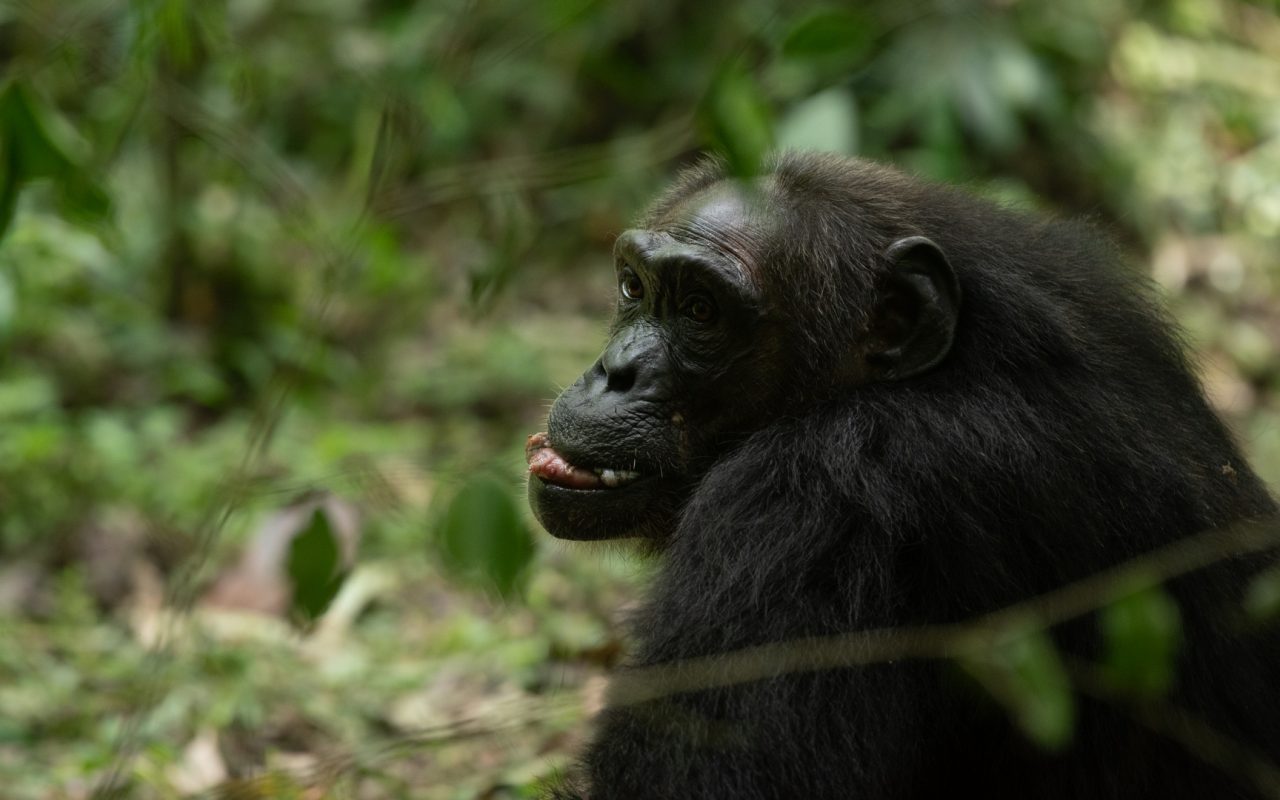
<point>1065,433</point>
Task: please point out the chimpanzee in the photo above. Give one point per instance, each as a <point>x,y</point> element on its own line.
<point>836,399</point>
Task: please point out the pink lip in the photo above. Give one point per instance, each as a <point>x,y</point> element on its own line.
<point>550,466</point>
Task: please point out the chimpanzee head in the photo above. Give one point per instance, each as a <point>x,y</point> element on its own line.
<point>738,302</point>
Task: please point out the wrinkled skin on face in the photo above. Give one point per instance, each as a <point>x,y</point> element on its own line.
<point>692,353</point>
<point>698,359</point>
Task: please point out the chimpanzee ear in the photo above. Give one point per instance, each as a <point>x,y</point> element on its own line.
<point>914,321</point>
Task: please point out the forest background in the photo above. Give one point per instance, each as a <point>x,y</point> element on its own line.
<point>284,285</point>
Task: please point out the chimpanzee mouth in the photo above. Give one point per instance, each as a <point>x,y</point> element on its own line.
<point>552,468</point>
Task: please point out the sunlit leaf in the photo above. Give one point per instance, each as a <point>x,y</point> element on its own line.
<point>1262,598</point>
<point>1142,633</point>
<point>482,536</point>
<point>833,31</point>
<point>828,121</point>
<point>976,71</point>
<point>314,567</point>
<point>1024,673</point>
<point>24,395</point>
<point>736,121</point>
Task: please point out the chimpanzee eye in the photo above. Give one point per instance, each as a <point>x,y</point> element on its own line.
<point>631,287</point>
<point>700,309</point>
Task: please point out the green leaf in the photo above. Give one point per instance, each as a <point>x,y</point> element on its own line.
<point>736,121</point>
<point>34,153</point>
<point>1142,632</point>
<point>1024,673</point>
<point>80,197</point>
<point>177,30</point>
<point>1262,598</point>
<point>8,183</point>
<point>314,567</point>
<point>829,32</point>
<point>828,121</point>
<point>25,395</point>
<point>168,29</point>
<point>482,536</point>
<point>35,144</point>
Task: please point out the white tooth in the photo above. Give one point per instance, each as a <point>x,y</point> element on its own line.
<point>628,475</point>
<point>609,477</point>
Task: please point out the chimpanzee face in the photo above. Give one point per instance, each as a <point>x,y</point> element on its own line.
<point>697,359</point>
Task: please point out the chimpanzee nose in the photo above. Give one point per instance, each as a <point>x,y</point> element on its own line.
<point>619,371</point>
<point>624,359</point>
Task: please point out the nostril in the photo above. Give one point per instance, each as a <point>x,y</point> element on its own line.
<point>618,375</point>
<point>625,357</point>
<point>620,378</point>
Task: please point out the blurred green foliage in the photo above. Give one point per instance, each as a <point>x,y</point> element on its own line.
<point>483,536</point>
<point>257,250</point>
<point>1143,631</point>
<point>314,567</point>
<point>1023,671</point>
